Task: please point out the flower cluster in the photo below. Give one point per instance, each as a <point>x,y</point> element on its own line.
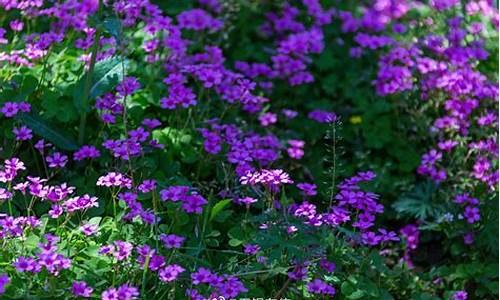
<point>191,202</point>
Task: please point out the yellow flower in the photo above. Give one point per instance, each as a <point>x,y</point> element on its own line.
<point>355,119</point>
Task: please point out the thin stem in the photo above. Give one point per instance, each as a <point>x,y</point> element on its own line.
<point>88,81</point>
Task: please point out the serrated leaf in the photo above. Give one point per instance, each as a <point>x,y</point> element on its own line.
<point>45,130</point>
<point>419,203</point>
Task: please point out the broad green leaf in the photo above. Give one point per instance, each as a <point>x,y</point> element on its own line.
<point>107,74</point>
<point>114,27</point>
<point>218,208</point>
<point>45,130</point>
<point>235,242</point>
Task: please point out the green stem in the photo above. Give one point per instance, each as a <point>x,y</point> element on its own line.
<point>144,274</point>
<point>88,82</point>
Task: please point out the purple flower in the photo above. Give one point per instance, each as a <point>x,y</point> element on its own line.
<point>124,292</point>
<point>291,229</point>
<point>114,179</point>
<point>128,86</point>
<point>469,238</point>
<point>81,289</point>
<point>80,203</point>
<point>251,249</point>
<point>308,189</point>
<point>147,185</point>
<point>201,276</point>
<point>370,238</point>
<point>170,273</point>
<point>122,250</point>
<point>89,229</point>
<point>327,266</point>
<point>57,160</point>
<point>26,264</point>
<point>198,19</point>
<point>289,114</point>
<point>5,194</point>
<point>56,211</point>
<point>267,119</point>
<point>16,25</point>
<point>172,241</point>
<point>4,280</point>
<point>460,295</point>
<point>267,177</point>
<point>194,204</point>
<point>9,109</point>
<point>322,116</point>
<point>471,214</point>
<point>246,200</point>
<point>86,151</point>
<point>317,286</point>
<point>151,123</point>
<point>298,273</point>
<point>23,133</point>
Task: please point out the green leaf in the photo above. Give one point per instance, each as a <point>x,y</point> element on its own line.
<point>235,242</point>
<point>358,294</point>
<point>107,74</point>
<point>114,27</point>
<point>418,203</point>
<point>218,208</point>
<point>45,130</point>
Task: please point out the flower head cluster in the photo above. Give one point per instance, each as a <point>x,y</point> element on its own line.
<point>318,286</point>
<point>115,179</point>
<point>47,257</point>
<point>124,292</point>
<point>296,149</point>
<point>191,202</point>
<point>270,178</point>
<point>226,286</point>
<point>120,250</point>
<point>244,149</point>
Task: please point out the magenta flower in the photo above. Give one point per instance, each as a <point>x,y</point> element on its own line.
<point>86,151</point>
<point>89,229</point>
<point>267,119</point>
<point>147,186</point>
<point>23,133</point>
<point>10,109</point>
<point>26,264</point>
<point>172,241</point>
<point>460,295</point>
<point>246,200</point>
<point>4,280</point>
<point>128,86</point>
<point>124,292</point>
<point>5,194</point>
<point>201,276</point>
<point>57,160</point>
<point>322,116</point>
<point>114,179</point>
<point>170,273</point>
<point>317,286</point>
<point>251,249</point>
<point>471,214</point>
<point>81,289</point>
<point>56,211</point>
<point>308,189</point>
<point>80,203</point>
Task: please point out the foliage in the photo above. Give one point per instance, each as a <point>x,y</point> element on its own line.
<point>278,149</point>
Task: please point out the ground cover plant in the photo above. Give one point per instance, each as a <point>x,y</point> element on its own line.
<point>245,149</point>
